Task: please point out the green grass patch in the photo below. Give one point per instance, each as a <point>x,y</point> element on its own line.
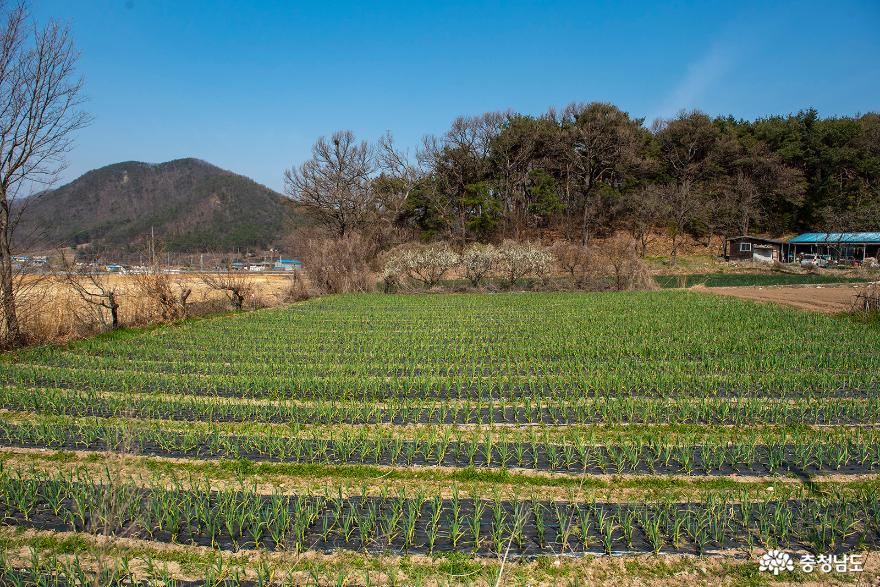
<point>751,279</point>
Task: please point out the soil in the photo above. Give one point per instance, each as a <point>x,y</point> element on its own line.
<point>827,299</point>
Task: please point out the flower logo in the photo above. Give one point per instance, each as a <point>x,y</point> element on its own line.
<point>775,561</point>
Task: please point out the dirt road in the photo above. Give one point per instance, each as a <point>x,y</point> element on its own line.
<point>828,299</point>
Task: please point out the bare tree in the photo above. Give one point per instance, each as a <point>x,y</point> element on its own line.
<point>334,185</point>
<point>39,112</point>
<point>397,164</point>
<point>626,267</point>
<point>338,265</point>
<point>237,286</point>
<point>399,175</point>
<point>645,209</point>
<point>95,288</point>
<point>169,294</point>
<point>573,258</point>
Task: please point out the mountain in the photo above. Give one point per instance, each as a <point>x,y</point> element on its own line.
<point>192,206</point>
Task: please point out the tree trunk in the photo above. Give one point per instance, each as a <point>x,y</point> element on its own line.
<point>13,336</point>
<point>184,296</point>
<point>114,310</point>
<point>674,257</point>
<point>585,232</point>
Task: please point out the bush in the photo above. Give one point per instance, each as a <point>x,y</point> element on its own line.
<point>424,263</point>
<point>573,259</point>
<point>477,261</point>
<point>339,264</point>
<point>297,290</point>
<point>517,260</point>
<point>623,262</point>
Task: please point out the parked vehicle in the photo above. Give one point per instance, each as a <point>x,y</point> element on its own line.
<point>811,260</point>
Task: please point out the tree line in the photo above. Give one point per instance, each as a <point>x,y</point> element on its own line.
<point>592,169</point>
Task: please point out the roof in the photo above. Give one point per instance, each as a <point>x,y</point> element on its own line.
<point>290,261</point>
<point>755,238</point>
<point>837,237</point>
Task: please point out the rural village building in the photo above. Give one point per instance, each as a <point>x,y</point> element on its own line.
<point>839,246</point>
<point>853,246</point>
<point>753,248</point>
<point>287,264</point>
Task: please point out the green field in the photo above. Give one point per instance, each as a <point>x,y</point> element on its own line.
<point>752,279</point>
<point>396,430</point>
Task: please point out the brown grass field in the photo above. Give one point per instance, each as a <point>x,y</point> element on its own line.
<point>51,311</point>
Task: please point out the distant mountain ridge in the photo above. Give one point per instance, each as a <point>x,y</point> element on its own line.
<point>191,204</point>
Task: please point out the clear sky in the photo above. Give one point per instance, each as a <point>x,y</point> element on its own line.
<point>249,85</point>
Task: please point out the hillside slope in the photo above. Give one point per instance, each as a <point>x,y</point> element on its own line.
<point>191,204</point>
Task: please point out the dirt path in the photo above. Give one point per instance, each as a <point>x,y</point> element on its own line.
<point>828,299</point>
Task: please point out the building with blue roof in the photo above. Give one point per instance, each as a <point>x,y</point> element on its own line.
<point>287,264</point>
<point>846,246</point>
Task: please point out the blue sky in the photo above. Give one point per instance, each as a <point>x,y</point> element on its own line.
<point>249,86</point>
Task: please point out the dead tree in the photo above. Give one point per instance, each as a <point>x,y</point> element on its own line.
<point>39,112</point>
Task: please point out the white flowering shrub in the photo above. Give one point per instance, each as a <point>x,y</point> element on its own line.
<point>477,261</point>
<point>393,271</point>
<point>517,260</point>
<point>424,263</point>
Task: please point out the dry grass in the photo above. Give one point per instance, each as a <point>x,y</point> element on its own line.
<point>51,311</point>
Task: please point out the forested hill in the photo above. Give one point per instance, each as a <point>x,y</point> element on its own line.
<point>595,169</point>
<point>191,204</point>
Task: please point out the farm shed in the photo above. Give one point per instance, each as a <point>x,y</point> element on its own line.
<point>847,246</point>
<point>752,248</point>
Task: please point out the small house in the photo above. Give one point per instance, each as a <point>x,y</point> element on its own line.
<point>753,248</point>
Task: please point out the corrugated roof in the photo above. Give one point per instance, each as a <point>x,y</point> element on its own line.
<point>755,238</point>
<point>837,237</point>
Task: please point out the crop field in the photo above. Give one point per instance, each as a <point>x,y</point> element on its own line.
<point>447,439</point>
<point>753,279</point>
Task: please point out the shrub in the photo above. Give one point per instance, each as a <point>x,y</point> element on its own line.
<point>424,263</point>
<point>573,259</point>
<point>477,261</point>
<point>339,264</point>
<point>622,261</point>
<point>298,289</point>
<point>517,260</point>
